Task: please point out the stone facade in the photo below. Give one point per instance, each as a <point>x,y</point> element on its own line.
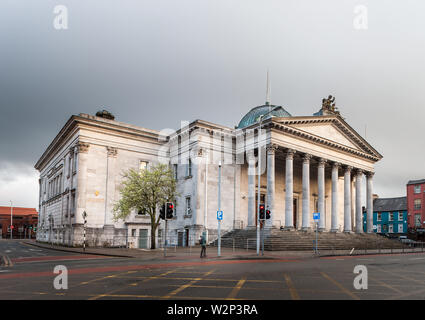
<point>321,159</point>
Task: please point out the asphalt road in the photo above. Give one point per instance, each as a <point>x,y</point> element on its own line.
<point>90,277</point>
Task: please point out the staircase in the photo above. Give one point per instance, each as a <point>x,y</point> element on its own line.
<point>279,240</point>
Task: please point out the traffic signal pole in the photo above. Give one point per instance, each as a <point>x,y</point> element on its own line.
<point>219,209</point>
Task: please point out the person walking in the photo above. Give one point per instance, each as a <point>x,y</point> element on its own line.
<point>203,243</point>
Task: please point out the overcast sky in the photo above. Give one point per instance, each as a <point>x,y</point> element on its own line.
<point>155,63</point>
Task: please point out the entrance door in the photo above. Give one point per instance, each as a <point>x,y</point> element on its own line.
<point>180,239</point>
<point>187,237</point>
<point>295,208</point>
<point>143,238</point>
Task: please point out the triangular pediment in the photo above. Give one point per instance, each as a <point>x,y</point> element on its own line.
<point>329,130</point>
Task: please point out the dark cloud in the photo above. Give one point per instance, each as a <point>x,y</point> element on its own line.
<point>154,63</point>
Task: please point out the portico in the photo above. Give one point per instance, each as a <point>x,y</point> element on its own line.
<point>314,164</point>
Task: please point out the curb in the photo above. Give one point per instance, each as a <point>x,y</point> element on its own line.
<point>38,245</point>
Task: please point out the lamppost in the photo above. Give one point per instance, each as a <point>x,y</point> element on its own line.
<point>259,176</point>
<point>11,219</point>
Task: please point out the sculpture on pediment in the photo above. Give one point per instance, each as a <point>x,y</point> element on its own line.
<point>328,105</point>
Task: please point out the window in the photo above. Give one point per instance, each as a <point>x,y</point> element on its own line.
<point>391,228</point>
<point>418,220</point>
<point>379,229</point>
<point>74,163</point>
<point>141,212</point>
<point>417,204</point>
<point>417,189</point>
<point>133,232</point>
<point>189,168</point>
<point>400,228</point>
<point>175,171</point>
<point>72,204</point>
<point>69,165</point>
<point>400,216</point>
<point>188,208</point>
<point>391,217</point>
<point>143,165</point>
<point>379,216</point>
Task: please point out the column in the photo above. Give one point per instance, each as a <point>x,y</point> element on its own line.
<point>289,193</point>
<point>347,199</point>
<point>359,220</point>
<point>334,213</point>
<point>321,188</point>
<point>369,201</point>
<point>306,193</point>
<point>251,189</point>
<point>271,149</point>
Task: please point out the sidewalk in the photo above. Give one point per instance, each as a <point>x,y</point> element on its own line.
<point>178,252</point>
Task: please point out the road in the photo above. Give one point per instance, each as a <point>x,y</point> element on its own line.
<point>92,277</point>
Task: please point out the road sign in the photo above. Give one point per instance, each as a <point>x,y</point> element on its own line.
<point>316,216</point>
<point>375,227</point>
<point>11,227</point>
<point>219,215</point>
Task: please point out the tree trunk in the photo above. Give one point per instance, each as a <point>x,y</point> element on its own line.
<point>153,229</point>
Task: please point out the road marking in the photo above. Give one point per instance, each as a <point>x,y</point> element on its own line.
<point>365,259</point>
<point>417,259</point>
<point>236,289</point>
<point>341,287</point>
<point>187,285</point>
<point>292,290</point>
<point>113,291</point>
<point>383,284</point>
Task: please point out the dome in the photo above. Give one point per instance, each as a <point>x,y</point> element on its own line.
<point>253,115</point>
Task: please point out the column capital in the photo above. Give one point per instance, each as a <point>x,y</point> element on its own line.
<point>359,172</point>
<point>322,162</point>
<point>271,148</point>
<point>81,147</point>
<point>370,174</point>
<point>306,157</point>
<point>290,154</point>
<point>348,168</point>
<point>336,165</point>
<point>112,151</point>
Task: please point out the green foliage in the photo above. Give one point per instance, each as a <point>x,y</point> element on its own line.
<point>146,190</point>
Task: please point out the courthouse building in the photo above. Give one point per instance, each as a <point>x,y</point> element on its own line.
<point>309,164</point>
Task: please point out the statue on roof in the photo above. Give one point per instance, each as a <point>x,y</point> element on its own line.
<point>328,105</point>
<point>105,114</point>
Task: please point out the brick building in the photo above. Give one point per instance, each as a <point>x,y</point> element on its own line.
<point>24,220</point>
<point>415,204</point>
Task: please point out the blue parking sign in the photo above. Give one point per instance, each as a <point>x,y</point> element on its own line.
<point>219,215</point>
<point>316,215</point>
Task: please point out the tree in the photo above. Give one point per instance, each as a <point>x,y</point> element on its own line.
<point>146,190</point>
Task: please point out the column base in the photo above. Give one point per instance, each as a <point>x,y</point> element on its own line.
<point>288,229</point>
<point>334,230</point>
<point>322,230</point>
<point>348,231</point>
<point>306,229</point>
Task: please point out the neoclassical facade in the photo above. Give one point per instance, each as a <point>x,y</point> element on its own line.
<point>295,165</point>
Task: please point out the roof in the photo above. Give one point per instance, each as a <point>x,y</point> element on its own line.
<point>416,181</point>
<point>18,211</point>
<point>254,114</point>
<point>390,204</point>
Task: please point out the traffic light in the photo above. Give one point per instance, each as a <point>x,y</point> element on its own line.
<point>162,212</point>
<point>262,211</point>
<point>170,210</point>
<point>267,214</point>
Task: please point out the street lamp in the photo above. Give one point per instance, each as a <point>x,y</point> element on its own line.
<point>259,176</point>
<point>11,219</point>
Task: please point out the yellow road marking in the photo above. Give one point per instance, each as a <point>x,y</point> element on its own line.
<point>342,288</point>
<point>236,289</point>
<point>113,291</point>
<point>292,290</point>
<point>383,284</point>
<point>187,285</point>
